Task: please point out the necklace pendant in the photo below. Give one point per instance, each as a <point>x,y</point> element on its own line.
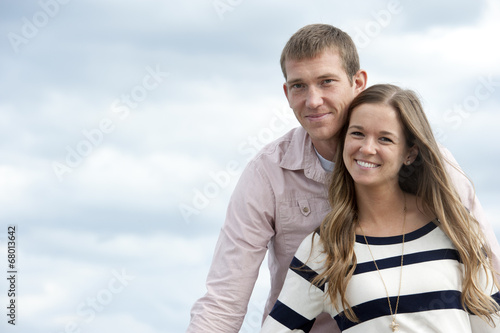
<point>394,326</point>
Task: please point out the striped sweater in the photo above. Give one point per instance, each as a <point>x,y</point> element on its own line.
<point>430,299</point>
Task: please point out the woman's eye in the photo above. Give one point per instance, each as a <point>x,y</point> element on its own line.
<point>356,134</point>
<point>384,139</point>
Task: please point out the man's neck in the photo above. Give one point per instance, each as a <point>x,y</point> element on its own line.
<point>326,149</point>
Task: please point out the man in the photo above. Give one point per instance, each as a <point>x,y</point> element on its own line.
<point>281,195</point>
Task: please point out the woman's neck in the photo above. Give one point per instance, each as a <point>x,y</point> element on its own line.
<point>381,211</point>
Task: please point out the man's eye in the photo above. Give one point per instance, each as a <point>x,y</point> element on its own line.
<point>297,86</point>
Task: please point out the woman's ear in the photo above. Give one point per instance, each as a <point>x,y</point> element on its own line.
<point>412,155</point>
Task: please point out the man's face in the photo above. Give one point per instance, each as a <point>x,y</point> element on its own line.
<point>319,92</point>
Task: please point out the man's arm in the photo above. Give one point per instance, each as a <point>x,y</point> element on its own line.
<point>240,250</point>
<point>468,196</point>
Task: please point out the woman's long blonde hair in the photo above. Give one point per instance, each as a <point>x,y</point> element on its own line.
<point>426,178</point>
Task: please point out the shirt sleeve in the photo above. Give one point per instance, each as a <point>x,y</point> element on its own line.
<point>299,302</point>
<point>239,252</point>
<point>468,196</point>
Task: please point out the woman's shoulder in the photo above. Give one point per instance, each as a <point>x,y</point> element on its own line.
<point>311,251</point>
<point>417,215</point>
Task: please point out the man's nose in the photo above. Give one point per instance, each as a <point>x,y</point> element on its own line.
<point>314,98</point>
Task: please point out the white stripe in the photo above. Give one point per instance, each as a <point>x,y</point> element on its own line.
<point>444,321</point>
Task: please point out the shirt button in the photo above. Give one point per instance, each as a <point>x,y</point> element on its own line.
<point>305,210</point>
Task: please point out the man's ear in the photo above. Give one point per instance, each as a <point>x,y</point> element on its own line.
<point>360,80</point>
<point>285,89</point>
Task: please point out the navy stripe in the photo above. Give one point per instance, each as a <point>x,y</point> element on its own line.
<point>438,300</point>
<point>290,318</point>
<point>442,254</point>
<point>398,239</point>
<point>305,271</point>
<point>409,259</point>
<point>496,297</point>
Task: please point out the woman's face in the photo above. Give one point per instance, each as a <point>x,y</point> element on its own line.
<point>375,146</point>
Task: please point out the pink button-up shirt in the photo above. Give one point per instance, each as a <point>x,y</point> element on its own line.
<point>280,198</point>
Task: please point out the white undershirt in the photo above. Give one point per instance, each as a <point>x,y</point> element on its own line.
<point>326,164</point>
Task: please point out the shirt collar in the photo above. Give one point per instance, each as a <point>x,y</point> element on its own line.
<point>300,155</point>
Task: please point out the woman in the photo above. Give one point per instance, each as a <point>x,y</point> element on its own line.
<point>398,251</point>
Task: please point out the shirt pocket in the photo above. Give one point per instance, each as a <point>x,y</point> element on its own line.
<point>299,217</point>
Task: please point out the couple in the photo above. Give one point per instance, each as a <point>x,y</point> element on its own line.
<point>396,242</point>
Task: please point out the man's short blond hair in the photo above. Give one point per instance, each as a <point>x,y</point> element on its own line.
<point>313,39</point>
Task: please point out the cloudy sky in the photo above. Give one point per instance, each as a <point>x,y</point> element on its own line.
<point>125,125</point>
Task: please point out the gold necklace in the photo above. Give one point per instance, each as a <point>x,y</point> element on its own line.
<point>394,325</point>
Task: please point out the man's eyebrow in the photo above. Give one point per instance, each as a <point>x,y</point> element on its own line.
<point>292,82</point>
<point>329,76</point>
<point>321,77</point>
